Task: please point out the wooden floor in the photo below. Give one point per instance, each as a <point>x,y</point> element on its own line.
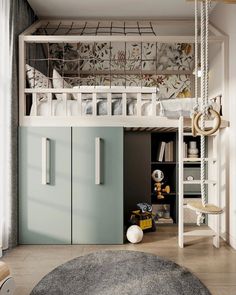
<point>215,267</point>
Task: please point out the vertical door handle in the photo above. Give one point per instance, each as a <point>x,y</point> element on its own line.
<point>45,160</point>
<point>97,160</point>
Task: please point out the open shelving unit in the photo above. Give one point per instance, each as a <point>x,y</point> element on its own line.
<point>169,169</point>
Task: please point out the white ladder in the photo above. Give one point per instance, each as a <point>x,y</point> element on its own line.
<point>213,187</point>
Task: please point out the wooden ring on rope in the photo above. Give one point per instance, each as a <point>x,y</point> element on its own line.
<point>197,118</point>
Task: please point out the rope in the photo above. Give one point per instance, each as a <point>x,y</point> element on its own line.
<point>203,174</point>
<point>203,55</point>
<point>196,108</point>
<point>205,109</point>
<point>206,103</point>
<point>203,101</point>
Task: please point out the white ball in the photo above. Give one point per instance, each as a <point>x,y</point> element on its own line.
<point>134,234</point>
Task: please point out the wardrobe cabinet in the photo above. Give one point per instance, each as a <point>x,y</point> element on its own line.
<point>70,185</point>
<point>97,168</point>
<point>44,185</point>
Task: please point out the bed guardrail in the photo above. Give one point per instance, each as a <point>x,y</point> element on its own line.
<point>92,94</point>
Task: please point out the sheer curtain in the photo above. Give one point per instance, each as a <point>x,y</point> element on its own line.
<point>15,17</point>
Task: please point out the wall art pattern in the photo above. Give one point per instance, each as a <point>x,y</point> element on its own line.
<point>127,64</point>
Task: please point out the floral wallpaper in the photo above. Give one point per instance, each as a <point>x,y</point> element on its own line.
<point>130,64</point>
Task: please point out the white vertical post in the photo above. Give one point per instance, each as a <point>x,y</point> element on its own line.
<point>124,104</point>
<point>139,104</point>
<point>64,97</point>
<point>94,103</point>
<point>154,105</point>
<point>79,103</point>
<point>35,104</point>
<point>181,188</point>
<point>109,105</point>
<point>50,104</point>
<point>22,79</point>
<point>216,155</point>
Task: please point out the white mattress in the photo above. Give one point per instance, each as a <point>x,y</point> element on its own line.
<point>174,108</point>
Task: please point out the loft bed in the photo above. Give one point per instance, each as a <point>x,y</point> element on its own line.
<point>108,73</point>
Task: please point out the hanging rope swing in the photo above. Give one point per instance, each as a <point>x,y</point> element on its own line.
<point>199,115</point>
<point>206,109</point>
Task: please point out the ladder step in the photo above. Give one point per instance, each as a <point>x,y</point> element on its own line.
<point>199,160</point>
<point>198,182</point>
<point>190,134</point>
<point>200,233</point>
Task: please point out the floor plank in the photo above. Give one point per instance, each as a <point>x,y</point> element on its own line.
<point>215,267</point>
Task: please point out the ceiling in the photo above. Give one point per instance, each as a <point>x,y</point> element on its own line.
<point>113,8</point>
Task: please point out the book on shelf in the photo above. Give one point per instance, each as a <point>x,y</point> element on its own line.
<point>169,151</point>
<point>165,220</point>
<point>161,151</point>
<point>185,151</point>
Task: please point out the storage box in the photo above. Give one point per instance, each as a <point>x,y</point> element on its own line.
<point>163,212</point>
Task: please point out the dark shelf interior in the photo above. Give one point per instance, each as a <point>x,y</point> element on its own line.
<point>192,195</point>
<point>141,150</point>
<point>169,168</point>
<point>156,139</point>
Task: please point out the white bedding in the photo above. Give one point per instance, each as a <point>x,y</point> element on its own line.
<point>174,108</point>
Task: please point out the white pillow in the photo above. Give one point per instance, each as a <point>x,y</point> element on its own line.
<point>37,80</point>
<point>59,82</point>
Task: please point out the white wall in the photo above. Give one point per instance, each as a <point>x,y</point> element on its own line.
<point>215,70</point>
<point>223,17</point>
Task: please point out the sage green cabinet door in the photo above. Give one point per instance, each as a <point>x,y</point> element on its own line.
<point>97,192</point>
<point>45,185</point>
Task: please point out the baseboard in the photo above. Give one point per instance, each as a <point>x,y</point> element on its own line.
<point>229,239</point>
<point>232,241</point>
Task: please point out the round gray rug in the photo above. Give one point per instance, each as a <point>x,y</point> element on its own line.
<point>120,273</point>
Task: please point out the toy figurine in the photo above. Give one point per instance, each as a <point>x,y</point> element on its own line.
<point>158,176</point>
<point>143,217</point>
